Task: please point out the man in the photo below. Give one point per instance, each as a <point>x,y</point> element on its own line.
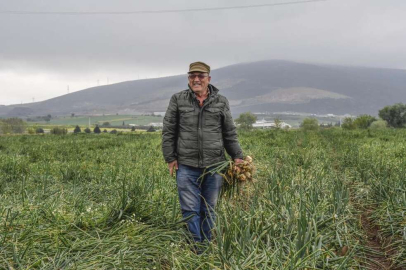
<point>197,127</point>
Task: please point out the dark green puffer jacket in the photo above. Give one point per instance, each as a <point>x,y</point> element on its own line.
<point>196,136</point>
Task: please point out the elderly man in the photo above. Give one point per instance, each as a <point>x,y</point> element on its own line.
<point>197,127</point>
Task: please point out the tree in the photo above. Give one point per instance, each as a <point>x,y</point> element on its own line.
<point>97,130</point>
<point>151,129</point>
<point>132,128</point>
<point>123,123</point>
<point>395,115</point>
<point>278,123</point>
<point>87,130</point>
<point>310,124</point>
<point>379,124</point>
<point>245,120</point>
<point>47,118</point>
<point>72,115</point>
<point>364,121</point>
<point>39,131</point>
<point>5,128</point>
<point>105,131</point>
<point>12,125</point>
<point>348,123</point>
<point>59,131</point>
<point>106,124</point>
<point>77,130</point>
<point>113,131</point>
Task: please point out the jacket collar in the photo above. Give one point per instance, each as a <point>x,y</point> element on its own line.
<point>213,91</point>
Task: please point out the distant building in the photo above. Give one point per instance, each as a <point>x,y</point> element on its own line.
<point>267,124</point>
<point>155,124</point>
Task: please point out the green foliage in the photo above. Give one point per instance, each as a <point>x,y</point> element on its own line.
<point>87,130</point>
<point>151,129</point>
<point>108,202</point>
<point>59,131</point>
<point>77,129</point>
<point>105,131</point>
<point>379,124</point>
<point>106,124</point>
<point>97,130</point>
<point>47,118</point>
<point>278,123</point>
<point>348,123</point>
<point>245,120</point>
<point>31,131</point>
<point>364,121</point>
<point>12,126</point>
<point>113,131</point>
<point>39,130</point>
<point>395,115</point>
<point>310,124</point>
<point>132,128</point>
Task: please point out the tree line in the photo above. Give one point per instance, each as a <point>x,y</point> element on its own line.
<point>390,116</point>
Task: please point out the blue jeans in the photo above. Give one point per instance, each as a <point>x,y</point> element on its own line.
<point>198,198</point>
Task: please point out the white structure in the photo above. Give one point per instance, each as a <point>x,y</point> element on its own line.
<point>156,124</point>
<point>265,124</point>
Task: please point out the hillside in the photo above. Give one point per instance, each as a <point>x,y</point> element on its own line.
<point>273,86</point>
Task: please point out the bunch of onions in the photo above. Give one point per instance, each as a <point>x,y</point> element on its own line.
<point>235,175</point>
<point>240,172</point>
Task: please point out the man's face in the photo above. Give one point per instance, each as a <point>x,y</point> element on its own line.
<point>199,81</point>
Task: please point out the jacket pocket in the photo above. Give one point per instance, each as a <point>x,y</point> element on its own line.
<point>212,116</point>
<point>187,116</point>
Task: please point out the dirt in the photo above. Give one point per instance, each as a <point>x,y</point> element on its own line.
<point>377,255</point>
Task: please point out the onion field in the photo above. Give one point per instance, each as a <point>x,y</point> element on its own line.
<point>331,199</point>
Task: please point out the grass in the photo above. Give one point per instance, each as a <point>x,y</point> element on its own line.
<point>106,201</point>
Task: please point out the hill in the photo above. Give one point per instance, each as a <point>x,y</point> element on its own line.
<point>273,86</point>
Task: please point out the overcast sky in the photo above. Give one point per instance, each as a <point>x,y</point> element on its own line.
<point>42,54</point>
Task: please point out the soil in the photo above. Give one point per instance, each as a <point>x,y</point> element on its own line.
<point>377,255</point>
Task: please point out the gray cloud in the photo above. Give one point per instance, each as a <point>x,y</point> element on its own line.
<point>353,32</point>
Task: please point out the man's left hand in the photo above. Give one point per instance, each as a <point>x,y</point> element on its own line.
<point>238,161</point>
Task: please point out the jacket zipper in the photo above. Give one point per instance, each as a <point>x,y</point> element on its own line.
<point>200,133</point>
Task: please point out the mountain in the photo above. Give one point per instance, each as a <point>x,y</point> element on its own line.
<point>273,86</point>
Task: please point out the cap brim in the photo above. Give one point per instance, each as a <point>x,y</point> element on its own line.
<point>198,70</point>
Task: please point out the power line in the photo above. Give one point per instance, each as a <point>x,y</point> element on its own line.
<point>11,12</point>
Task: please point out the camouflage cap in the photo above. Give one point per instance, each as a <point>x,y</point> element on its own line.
<point>199,67</point>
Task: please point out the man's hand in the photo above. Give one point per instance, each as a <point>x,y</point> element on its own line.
<point>171,165</point>
<point>238,161</point>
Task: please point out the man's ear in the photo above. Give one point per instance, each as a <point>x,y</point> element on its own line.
<point>209,78</point>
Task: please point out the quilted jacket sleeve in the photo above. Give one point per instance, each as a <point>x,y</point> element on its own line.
<point>170,130</point>
<point>230,134</point>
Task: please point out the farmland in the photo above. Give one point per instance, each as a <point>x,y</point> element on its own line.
<point>114,120</point>
<point>106,201</point>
